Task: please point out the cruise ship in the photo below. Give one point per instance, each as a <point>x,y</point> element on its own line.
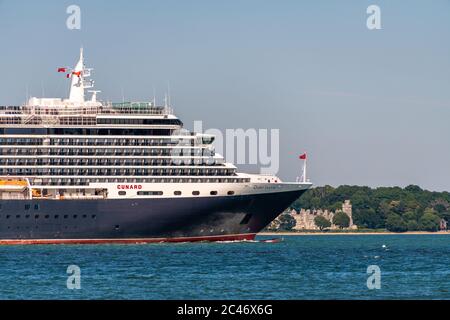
<point>79,170</point>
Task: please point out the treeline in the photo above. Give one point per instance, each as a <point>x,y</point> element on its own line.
<point>391,208</point>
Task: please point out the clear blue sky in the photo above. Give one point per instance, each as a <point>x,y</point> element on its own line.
<point>370,107</point>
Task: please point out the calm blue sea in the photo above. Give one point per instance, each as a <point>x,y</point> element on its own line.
<point>300,267</point>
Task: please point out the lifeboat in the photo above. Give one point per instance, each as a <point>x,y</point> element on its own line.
<point>36,193</point>
<point>13,185</point>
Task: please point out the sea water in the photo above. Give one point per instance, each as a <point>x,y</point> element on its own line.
<point>299,267</point>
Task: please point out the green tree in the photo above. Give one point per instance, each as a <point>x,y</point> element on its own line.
<point>322,222</point>
<point>413,188</point>
<point>445,216</point>
<point>316,203</point>
<point>368,218</point>
<point>341,219</point>
<point>439,208</point>
<point>336,206</point>
<point>409,216</point>
<point>412,225</point>
<point>287,222</point>
<point>429,221</point>
<point>395,223</point>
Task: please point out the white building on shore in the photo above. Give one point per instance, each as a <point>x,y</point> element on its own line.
<point>305,218</point>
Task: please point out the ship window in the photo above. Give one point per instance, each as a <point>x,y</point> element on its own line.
<point>122,193</point>
<point>150,193</point>
<point>213,193</point>
<point>56,216</point>
<point>36,206</point>
<point>177,193</point>
<point>195,193</point>
<point>230,193</point>
<point>84,216</point>
<point>47,216</point>
<point>36,216</point>
<point>94,216</point>
<point>27,207</point>
<point>66,216</point>
<point>75,216</point>
<point>18,216</point>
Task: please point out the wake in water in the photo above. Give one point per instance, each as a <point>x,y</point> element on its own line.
<point>274,240</point>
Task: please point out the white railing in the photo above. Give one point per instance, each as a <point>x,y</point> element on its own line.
<point>107,108</point>
<point>83,115</point>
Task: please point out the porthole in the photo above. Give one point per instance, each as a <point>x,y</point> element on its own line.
<point>213,193</point>
<point>230,193</point>
<point>177,193</point>
<point>195,193</point>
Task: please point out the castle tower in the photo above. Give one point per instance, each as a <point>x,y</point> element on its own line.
<point>347,209</point>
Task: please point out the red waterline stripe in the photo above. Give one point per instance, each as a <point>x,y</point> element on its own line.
<point>233,237</point>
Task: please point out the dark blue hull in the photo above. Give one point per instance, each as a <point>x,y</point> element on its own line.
<point>158,218</point>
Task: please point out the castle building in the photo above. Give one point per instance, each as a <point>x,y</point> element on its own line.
<point>305,218</point>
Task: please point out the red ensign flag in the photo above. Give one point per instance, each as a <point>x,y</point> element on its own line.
<point>302,156</point>
<point>61,69</point>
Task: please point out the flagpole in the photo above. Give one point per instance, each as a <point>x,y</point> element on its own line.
<point>304,171</point>
<point>303,157</point>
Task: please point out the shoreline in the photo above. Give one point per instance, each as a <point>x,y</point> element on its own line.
<point>302,233</point>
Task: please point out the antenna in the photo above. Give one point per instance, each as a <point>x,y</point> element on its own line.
<point>154,97</point>
<point>94,95</point>
<point>123,96</point>
<point>168,93</point>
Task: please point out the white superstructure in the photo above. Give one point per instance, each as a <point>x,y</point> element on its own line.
<point>83,149</point>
